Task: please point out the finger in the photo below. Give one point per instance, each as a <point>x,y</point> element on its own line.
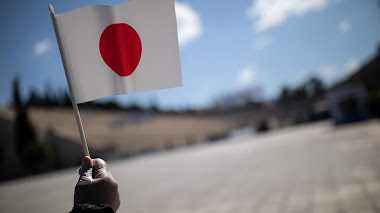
<point>78,170</point>
<point>87,160</point>
<point>85,171</point>
<point>100,169</point>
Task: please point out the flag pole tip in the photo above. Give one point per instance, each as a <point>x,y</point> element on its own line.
<point>51,8</point>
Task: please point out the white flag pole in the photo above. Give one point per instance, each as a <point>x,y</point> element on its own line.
<point>75,106</point>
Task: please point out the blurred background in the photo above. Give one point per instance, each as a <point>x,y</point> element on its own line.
<point>278,112</point>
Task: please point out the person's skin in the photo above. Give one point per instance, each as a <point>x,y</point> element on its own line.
<point>96,184</point>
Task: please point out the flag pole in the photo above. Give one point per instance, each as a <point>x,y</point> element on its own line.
<point>75,106</point>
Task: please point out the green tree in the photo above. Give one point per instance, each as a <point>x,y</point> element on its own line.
<point>285,94</point>
<point>37,157</point>
<point>314,87</point>
<point>23,131</point>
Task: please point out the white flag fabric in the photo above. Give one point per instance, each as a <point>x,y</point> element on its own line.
<point>111,50</point>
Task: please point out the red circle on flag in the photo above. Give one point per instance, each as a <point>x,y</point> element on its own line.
<point>120,47</point>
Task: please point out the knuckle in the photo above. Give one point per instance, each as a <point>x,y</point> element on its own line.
<point>114,184</point>
<point>100,161</point>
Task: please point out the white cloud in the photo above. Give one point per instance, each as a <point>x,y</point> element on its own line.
<point>262,42</point>
<point>247,75</point>
<point>351,65</point>
<point>188,23</point>
<point>328,71</point>
<point>42,46</point>
<point>344,26</point>
<point>271,13</point>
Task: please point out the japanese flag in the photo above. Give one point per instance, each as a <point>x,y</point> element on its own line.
<point>127,48</point>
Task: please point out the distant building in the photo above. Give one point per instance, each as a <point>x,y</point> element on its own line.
<point>348,103</point>
<point>358,96</point>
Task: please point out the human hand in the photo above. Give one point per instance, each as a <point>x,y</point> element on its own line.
<point>96,184</point>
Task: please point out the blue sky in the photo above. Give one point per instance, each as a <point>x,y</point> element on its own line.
<point>225,46</point>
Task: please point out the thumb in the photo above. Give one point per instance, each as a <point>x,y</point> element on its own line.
<point>85,173</point>
<point>100,169</point>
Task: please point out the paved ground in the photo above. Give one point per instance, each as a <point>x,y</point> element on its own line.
<point>314,168</point>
